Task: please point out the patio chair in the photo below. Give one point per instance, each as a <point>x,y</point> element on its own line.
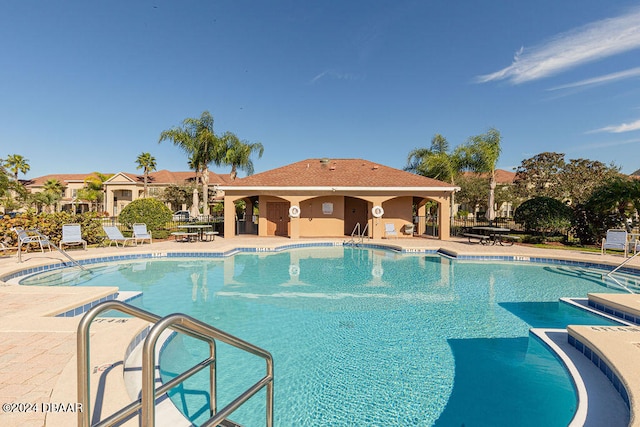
<point>390,230</point>
<point>71,236</point>
<point>114,235</point>
<point>140,232</point>
<point>615,239</point>
<point>29,237</point>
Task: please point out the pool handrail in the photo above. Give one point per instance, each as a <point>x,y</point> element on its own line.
<point>180,323</point>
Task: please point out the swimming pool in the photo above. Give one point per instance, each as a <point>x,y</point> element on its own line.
<point>368,336</point>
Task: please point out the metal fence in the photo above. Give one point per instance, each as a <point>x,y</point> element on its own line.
<point>216,221</point>
<point>460,225</point>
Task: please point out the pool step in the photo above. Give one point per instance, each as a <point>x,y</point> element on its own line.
<point>622,306</point>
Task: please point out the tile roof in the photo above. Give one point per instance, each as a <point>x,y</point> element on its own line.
<point>336,173</point>
<point>62,177</point>
<point>161,177</point>
<point>168,177</point>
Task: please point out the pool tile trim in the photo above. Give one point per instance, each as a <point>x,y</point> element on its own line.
<point>590,354</point>
<point>441,252</point>
<point>81,309</point>
<point>621,314</point>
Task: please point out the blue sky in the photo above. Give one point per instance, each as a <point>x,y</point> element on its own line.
<point>89,85</point>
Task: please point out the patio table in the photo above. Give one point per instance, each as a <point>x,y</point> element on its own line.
<point>198,228</point>
<point>494,235</point>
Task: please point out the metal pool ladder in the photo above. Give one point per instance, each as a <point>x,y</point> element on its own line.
<point>146,404</point>
<point>359,234</point>
<point>42,236</point>
<point>610,274</point>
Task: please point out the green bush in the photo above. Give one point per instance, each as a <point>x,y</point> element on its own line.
<point>149,211</point>
<point>50,224</point>
<point>544,215</point>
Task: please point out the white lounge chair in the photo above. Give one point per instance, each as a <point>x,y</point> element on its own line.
<point>616,239</point>
<point>140,232</point>
<point>72,235</point>
<point>28,237</point>
<point>390,230</point>
<point>4,248</point>
<point>114,235</point>
<point>636,246</point>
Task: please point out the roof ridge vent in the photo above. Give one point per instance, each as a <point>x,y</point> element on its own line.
<point>325,160</point>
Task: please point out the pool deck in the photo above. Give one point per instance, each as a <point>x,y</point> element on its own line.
<point>38,351</point>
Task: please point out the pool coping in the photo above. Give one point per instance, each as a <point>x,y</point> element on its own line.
<point>18,273</point>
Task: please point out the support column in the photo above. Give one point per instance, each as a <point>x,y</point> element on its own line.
<point>294,222</point>
<point>229,218</point>
<point>444,219</point>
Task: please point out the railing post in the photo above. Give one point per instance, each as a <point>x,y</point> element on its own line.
<point>213,385</point>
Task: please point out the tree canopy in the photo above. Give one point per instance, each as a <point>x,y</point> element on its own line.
<point>549,175</point>
<point>437,161</point>
<point>238,153</point>
<point>17,163</point>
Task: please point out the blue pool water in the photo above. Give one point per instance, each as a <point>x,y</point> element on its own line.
<point>369,337</point>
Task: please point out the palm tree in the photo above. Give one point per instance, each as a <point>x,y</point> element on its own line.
<point>17,163</point>
<point>238,153</point>
<point>53,190</point>
<point>147,162</point>
<point>93,190</point>
<point>197,139</point>
<point>437,162</point>
<point>481,155</point>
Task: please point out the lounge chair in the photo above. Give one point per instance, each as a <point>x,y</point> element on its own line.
<point>4,248</point>
<point>114,235</point>
<point>28,237</point>
<point>616,239</point>
<point>390,230</point>
<point>140,232</point>
<point>72,235</point>
<point>636,245</point>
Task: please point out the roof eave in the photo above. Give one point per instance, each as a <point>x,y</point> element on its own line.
<point>337,188</point>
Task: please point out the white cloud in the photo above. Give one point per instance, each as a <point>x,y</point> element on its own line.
<point>333,75</point>
<point>588,43</point>
<point>607,78</point>
<point>624,127</point>
<point>602,145</point>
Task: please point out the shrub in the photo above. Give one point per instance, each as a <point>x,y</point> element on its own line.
<point>544,215</point>
<point>149,211</point>
<point>50,224</point>
<point>589,224</point>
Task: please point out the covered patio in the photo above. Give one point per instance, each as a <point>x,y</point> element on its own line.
<point>329,197</point>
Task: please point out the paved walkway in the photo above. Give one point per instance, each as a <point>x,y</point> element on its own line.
<point>37,351</point>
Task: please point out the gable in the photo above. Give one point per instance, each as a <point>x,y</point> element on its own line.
<point>120,178</point>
